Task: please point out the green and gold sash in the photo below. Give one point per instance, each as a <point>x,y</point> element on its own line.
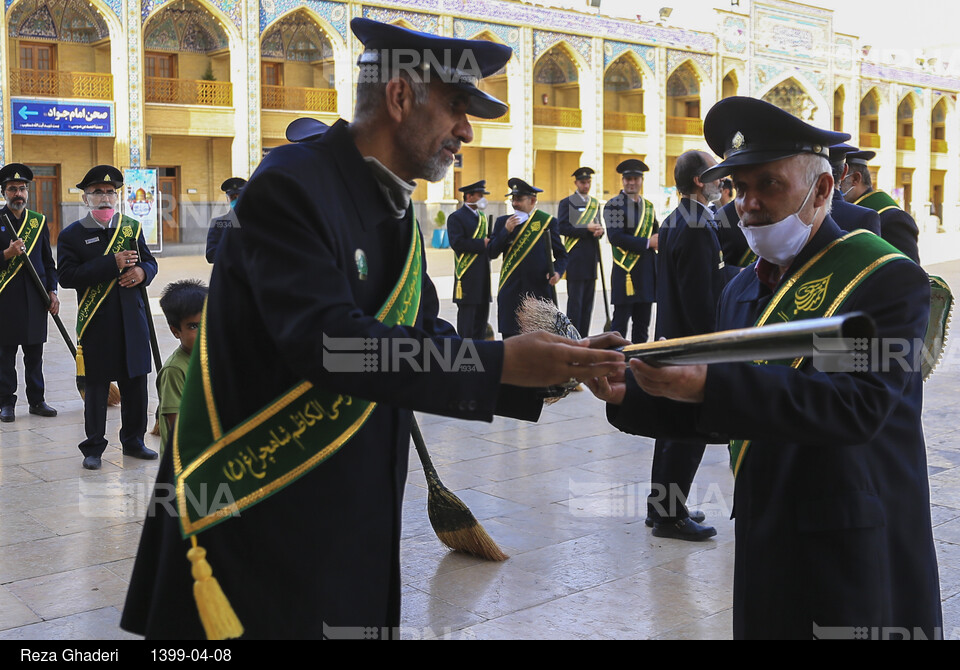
<point>819,289</point>
<point>628,259</point>
<point>29,233</point>
<point>219,474</point>
<point>531,232</point>
<point>748,258</point>
<point>878,201</point>
<point>588,214</point>
<point>127,229</point>
<point>464,261</point>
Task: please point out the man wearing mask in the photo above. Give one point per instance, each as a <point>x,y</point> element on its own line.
<point>848,216</point>
<point>533,255</point>
<point>896,226</point>
<point>104,256</point>
<point>579,219</point>
<point>831,500</point>
<point>220,224</point>
<point>632,228</point>
<point>469,236</point>
<point>24,238</point>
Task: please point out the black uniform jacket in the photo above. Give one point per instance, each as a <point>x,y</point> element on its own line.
<point>582,259</point>
<point>116,343</point>
<point>622,216</point>
<point>832,503</point>
<point>23,308</point>
<point>461,226</point>
<point>315,257</point>
<point>851,217</point>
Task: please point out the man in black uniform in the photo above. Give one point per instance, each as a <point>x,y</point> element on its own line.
<point>24,237</point>
<point>896,226</point>
<point>328,255</point>
<point>690,277</point>
<point>533,255</point>
<point>848,216</point>
<point>219,225</point>
<point>632,230</point>
<point>469,235</point>
<point>580,223</point>
<point>104,256</point>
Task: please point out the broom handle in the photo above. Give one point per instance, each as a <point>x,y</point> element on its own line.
<point>44,296</point>
<point>603,283</point>
<point>428,469</point>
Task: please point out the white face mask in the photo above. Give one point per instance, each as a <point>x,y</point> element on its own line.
<point>523,216</point>
<point>481,203</point>
<point>780,242</point>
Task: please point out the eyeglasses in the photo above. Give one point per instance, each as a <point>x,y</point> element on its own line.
<point>16,189</point>
<point>102,194</point>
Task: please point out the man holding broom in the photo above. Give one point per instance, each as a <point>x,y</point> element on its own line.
<point>24,238</point>
<point>289,459</point>
<point>104,256</point>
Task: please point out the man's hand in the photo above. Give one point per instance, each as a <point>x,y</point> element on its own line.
<point>595,228</point>
<point>511,223</point>
<point>133,277</point>
<point>541,359</point>
<point>683,383</point>
<point>654,241</point>
<point>15,248</point>
<point>554,278</point>
<point>54,304</point>
<point>125,259</point>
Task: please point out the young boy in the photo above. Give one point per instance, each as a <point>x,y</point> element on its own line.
<point>182,305</point>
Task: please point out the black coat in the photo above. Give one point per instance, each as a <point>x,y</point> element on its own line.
<point>832,506</point>
<point>116,343</point>
<point>461,225</point>
<point>583,258</point>
<point>850,217</point>
<point>322,556</point>
<point>690,272</point>
<point>899,229</point>
<point>621,216</point>
<point>530,277</point>
<point>23,308</point>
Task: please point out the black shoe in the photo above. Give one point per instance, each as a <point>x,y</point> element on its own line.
<point>91,462</point>
<point>695,515</point>
<point>141,453</point>
<point>685,529</point>
<point>7,414</point>
<point>42,409</point>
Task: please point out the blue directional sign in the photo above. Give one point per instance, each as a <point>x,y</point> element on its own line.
<point>33,117</point>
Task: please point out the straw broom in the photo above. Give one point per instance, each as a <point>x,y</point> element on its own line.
<point>452,520</point>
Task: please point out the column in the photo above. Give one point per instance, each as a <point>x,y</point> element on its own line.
<point>440,194</point>
<point>520,87</point>
<point>129,147</point>
<point>247,146</point>
<point>920,205</point>
<point>4,88</point>
<point>951,180</point>
<point>657,133</point>
<point>887,154</point>
<point>591,102</point>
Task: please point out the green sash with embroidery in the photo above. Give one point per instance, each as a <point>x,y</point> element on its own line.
<point>219,474</point>
<point>878,201</point>
<point>627,259</point>
<point>588,215</point>
<point>819,289</point>
<point>29,233</point>
<point>464,261</point>
<point>127,229</point>
<point>533,229</point>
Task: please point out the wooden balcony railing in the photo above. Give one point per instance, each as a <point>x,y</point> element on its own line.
<point>305,99</point>
<point>869,141</point>
<point>188,92</point>
<point>938,146</point>
<point>565,117</point>
<point>57,84</point>
<point>681,125</point>
<point>624,121</point>
<point>906,143</point>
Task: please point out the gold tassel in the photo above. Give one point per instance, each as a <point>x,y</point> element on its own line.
<point>81,369</point>
<point>630,290</point>
<point>219,620</point>
<point>458,291</point>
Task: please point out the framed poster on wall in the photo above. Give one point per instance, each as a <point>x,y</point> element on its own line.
<point>141,201</point>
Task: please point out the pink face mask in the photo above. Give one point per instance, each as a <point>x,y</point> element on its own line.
<point>103,215</point>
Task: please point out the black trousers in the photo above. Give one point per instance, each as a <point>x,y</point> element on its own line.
<point>674,466</point>
<point>639,313</point>
<point>133,414</point>
<point>472,320</point>
<point>580,295</point>
<point>32,373</point>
